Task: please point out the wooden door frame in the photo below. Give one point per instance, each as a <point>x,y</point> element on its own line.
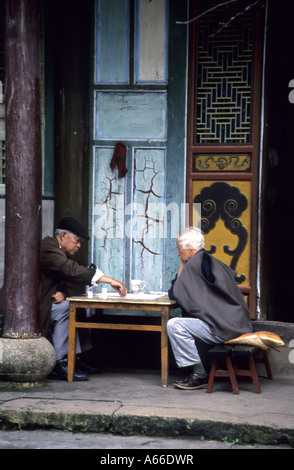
<point>253,148</point>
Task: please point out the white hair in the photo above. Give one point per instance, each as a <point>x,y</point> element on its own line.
<point>191,238</point>
<point>59,231</point>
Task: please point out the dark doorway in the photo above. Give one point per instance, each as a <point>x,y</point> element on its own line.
<point>280,162</point>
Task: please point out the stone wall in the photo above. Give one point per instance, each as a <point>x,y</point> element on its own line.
<point>282,360</point>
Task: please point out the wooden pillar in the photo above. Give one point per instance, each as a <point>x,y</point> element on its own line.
<point>23,171</point>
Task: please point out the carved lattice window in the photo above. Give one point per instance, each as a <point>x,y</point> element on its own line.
<point>224,74</point>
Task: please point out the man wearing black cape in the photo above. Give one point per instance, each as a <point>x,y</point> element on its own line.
<point>213,307</point>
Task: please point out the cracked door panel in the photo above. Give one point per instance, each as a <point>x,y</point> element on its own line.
<point>148,228</point>
<point>108,250</point>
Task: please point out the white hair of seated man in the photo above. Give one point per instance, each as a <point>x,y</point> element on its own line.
<point>191,238</point>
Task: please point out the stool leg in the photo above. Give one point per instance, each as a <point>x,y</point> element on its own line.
<point>211,375</point>
<point>265,361</point>
<point>254,374</point>
<point>232,375</point>
<point>267,364</point>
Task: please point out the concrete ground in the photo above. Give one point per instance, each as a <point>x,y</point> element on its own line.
<point>133,403</point>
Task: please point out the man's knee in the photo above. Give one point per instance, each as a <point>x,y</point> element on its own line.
<point>60,311</point>
<point>173,325</point>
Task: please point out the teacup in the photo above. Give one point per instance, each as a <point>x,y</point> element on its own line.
<point>137,285</point>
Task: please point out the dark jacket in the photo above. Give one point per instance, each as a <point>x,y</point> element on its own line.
<point>215,299</point>
<point>58,273</point>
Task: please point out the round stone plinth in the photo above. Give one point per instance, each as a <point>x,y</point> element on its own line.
<point>26,360</point>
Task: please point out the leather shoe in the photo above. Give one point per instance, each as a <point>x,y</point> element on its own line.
<point>60,372</point>
<point>193,382</point>
<point>85,367</point>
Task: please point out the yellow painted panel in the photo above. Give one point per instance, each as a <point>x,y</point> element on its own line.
<point>220,236</point>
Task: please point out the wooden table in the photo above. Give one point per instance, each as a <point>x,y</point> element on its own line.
<point>114,302</point>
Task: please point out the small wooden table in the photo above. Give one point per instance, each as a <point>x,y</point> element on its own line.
<point>114,302</point>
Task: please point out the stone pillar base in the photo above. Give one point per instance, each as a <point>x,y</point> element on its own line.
<point>26,360</point>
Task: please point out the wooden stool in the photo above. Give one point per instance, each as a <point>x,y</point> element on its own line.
<point>221,353</point>
<point>232,355</point>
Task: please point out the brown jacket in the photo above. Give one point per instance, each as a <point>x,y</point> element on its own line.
<point>58,273</point>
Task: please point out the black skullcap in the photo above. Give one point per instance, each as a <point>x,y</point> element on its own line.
<point>72,225</point>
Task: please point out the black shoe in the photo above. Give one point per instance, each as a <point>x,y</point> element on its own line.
<point>60,372</point>
<point>193,382</point>
<point>84,367</point>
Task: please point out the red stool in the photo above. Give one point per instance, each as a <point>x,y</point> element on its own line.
<point>231,356</point>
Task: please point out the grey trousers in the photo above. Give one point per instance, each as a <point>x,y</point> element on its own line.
<point>59,328</point>
<point>182,333</point>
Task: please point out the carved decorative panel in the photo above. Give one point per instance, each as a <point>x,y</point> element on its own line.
<point>223,144</point>
<point>224,92</point>
<point>225,221</point>
<point>232,162</point>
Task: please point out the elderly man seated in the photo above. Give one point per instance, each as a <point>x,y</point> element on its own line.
<point>213,307</point>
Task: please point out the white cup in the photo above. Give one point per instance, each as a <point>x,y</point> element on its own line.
<point>104,293</point>
<point>89,292</point>
<point>137,285</point>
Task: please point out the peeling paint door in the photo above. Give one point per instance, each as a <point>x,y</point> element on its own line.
<point>131,213</point>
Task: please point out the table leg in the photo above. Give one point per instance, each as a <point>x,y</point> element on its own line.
<point>71,342</point>
<point>164,347</point>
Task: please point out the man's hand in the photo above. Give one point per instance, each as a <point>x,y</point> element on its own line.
<point>116,285</point>
<point>58,297</point>
<point>119,287</point>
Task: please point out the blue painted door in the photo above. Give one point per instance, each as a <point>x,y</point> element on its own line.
<point>139,101</point>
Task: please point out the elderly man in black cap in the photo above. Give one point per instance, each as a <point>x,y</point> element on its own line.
<point>59,274</point>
